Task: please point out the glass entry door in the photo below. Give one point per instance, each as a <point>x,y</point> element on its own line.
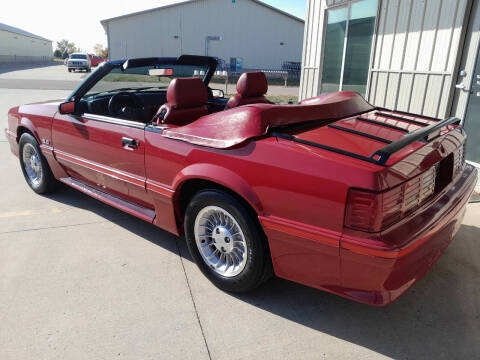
<point>472,117</point>
<point>348,45</point>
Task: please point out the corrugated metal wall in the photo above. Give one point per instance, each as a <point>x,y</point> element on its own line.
<point>19,48</point>
<point>263,37</point>
<point>312,46</point>
<point>416,53</point>
<point>416,50</point>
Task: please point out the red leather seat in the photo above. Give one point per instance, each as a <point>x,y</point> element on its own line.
<point>251,88</point>
<point>187,100</point>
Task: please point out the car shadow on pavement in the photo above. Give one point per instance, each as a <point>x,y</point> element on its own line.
<point>5,68</point>
<point>439,318</point>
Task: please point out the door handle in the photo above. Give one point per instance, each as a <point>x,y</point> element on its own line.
<point>462,87</point>
<point>130,143</point>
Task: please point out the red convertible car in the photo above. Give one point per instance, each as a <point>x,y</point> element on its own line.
<point>330,192</point>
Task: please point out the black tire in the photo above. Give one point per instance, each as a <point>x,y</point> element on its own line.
<point>47,182</point>
<point>258,264</point>
<point>69,70</point>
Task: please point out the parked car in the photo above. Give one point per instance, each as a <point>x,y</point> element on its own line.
<point>79,61</point>
<point>332,192</point>
<point>95,60</point>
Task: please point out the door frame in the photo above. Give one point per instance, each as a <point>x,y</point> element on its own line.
<point>467,62</point>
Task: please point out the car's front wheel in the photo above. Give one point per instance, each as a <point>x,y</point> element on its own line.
<point>226,241</point>
<point>34,166</point>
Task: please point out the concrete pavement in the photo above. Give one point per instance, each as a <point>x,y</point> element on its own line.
<point>81,280</point>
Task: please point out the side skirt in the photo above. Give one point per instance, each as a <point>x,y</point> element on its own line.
<point>128,207</point>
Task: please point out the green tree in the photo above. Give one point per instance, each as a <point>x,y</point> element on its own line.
<point>100,50</point>
<point>57,53</point>
<point>66,47</point>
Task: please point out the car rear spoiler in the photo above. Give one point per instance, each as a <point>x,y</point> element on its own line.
<point>380,157</point>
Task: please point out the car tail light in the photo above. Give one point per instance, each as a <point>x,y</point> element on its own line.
<point>375,211</point>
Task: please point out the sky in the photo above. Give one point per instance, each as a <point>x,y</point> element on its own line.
<point>58,19</point>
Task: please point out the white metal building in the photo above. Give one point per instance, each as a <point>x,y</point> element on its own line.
<point>263,36</point>
<point>411,55</point>
<point>17,45</point>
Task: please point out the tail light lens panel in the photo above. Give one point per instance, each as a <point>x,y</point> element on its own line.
<point>375,211</point>
<point>459,159</point>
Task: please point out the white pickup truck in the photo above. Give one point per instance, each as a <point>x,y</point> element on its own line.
<point>79,61</point>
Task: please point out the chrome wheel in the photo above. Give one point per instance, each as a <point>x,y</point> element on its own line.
<point>32,164</point>
<point>220,241</point>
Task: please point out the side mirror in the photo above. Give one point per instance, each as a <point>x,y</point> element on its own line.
<point>67,107</point>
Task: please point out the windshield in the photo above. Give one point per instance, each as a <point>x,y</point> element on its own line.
<point>145,77</point>
<point>78,56</point>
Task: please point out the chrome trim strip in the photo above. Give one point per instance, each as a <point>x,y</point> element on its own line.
<point>112,120</point>
<point>113,173</point>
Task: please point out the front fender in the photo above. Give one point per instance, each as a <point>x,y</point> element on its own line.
<point>221,176</point>
<point>28,124</point>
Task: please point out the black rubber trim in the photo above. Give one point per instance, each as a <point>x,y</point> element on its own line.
<point>409,114</point>
<point>370,121</point>
<point>360,133</point>
<point>401,118</point>
<point>325,147</point>
<point>380,157</point>
<point>417,135</point>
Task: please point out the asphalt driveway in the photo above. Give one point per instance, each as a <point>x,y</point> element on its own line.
<point>82,280</point>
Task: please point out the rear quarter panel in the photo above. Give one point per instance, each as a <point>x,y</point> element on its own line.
<point>298,195</point>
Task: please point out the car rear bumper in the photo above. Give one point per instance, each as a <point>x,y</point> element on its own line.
<point>379,277</point>
<point>12,140</point>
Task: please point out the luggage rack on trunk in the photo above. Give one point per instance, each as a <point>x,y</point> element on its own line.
<point>381,156</point>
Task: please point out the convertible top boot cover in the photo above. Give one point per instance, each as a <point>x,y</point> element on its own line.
<point>232,127</point>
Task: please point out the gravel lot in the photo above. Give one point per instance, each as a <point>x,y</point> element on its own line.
<point>81,280</point>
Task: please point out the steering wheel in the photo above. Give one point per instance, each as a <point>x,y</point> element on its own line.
<point>121,99</point>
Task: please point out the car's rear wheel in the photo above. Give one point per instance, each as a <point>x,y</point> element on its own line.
<point>34,166</point>
<point>226,241</point>
<point>69,70</point>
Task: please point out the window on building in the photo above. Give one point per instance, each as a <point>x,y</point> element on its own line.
<point>348,44</point>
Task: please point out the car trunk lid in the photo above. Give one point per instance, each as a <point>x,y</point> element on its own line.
<point>380,136</point>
